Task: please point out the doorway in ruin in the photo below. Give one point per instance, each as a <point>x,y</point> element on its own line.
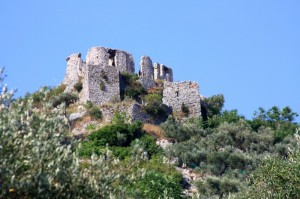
<point>112,57</point>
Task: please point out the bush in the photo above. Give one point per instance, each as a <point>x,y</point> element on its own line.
<point>78,86</point>
<point>156,185</point>
<point>214,186</point>
<point>115,135</point>
<point>66,98</point>
<point>180,131</point>
<point>214,105</point>
<point>276,178</point>
<point>95,112</point>
<point>133,89</point>
<point>38,160</point>
<point>149,145</point>
<point>153,105</point>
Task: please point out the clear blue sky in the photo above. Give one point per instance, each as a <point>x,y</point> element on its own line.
<point>247,50</point>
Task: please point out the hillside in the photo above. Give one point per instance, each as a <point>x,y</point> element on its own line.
<point>107,132</point>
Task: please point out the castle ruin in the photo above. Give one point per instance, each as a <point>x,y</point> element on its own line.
<point>100,75</point>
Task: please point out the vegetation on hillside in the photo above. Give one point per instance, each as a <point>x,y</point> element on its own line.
<point>227,150</point>
<point>232,156</point>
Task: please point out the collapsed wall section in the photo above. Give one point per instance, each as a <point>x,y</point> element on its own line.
<point>177,94</point>
<point>162,72</point>
<point>120,60</point>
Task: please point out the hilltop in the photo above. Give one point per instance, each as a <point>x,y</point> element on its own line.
<point>109,132</point>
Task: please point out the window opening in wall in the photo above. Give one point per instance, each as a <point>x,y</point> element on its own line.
<point>177,93</point>
<point>111,58</point>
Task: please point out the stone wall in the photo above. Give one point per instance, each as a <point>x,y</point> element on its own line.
<point>177,93</point>
<point>101,84</point>
<point>133,111</point>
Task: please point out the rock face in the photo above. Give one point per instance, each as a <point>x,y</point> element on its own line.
<point>177,94</point>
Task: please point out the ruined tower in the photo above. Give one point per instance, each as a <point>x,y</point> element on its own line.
<point>101,79</point>
<point>74,71</point>
<point>146,73</point>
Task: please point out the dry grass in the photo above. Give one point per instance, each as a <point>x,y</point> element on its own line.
<point>154,130</point>
<point>80,122</point>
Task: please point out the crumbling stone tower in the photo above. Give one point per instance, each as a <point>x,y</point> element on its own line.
<point>101,79</point>
<point>74,71</point>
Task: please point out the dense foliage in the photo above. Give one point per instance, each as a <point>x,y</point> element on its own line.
<point>225,148</point>
<point>93,110</point>
<point>133,88</point>
<point>39,160</point>
<point>233,157</point>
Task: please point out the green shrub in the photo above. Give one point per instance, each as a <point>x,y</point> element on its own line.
<point>78,86</point>
<point>276,178</point>
<point>155,185</point>
<point>95,112</point>
<point>115,135</point>
<point>153,105</point>
<point>180,131</point>
<point>38,160</point>
<point>133,89</point>
<point>214,186</point>
<point>66,98</point>
<point>149,145</point>
<point>90,127</point>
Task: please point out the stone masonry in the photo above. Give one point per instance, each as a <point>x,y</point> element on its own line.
<point>102,74</point>
<point>175,94</point>
<point>162,72</point>
<point>74,70</point>
<point>146,73</point>
<point>101,79</point>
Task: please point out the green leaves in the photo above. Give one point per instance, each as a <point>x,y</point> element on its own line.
<point>276,178</point>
